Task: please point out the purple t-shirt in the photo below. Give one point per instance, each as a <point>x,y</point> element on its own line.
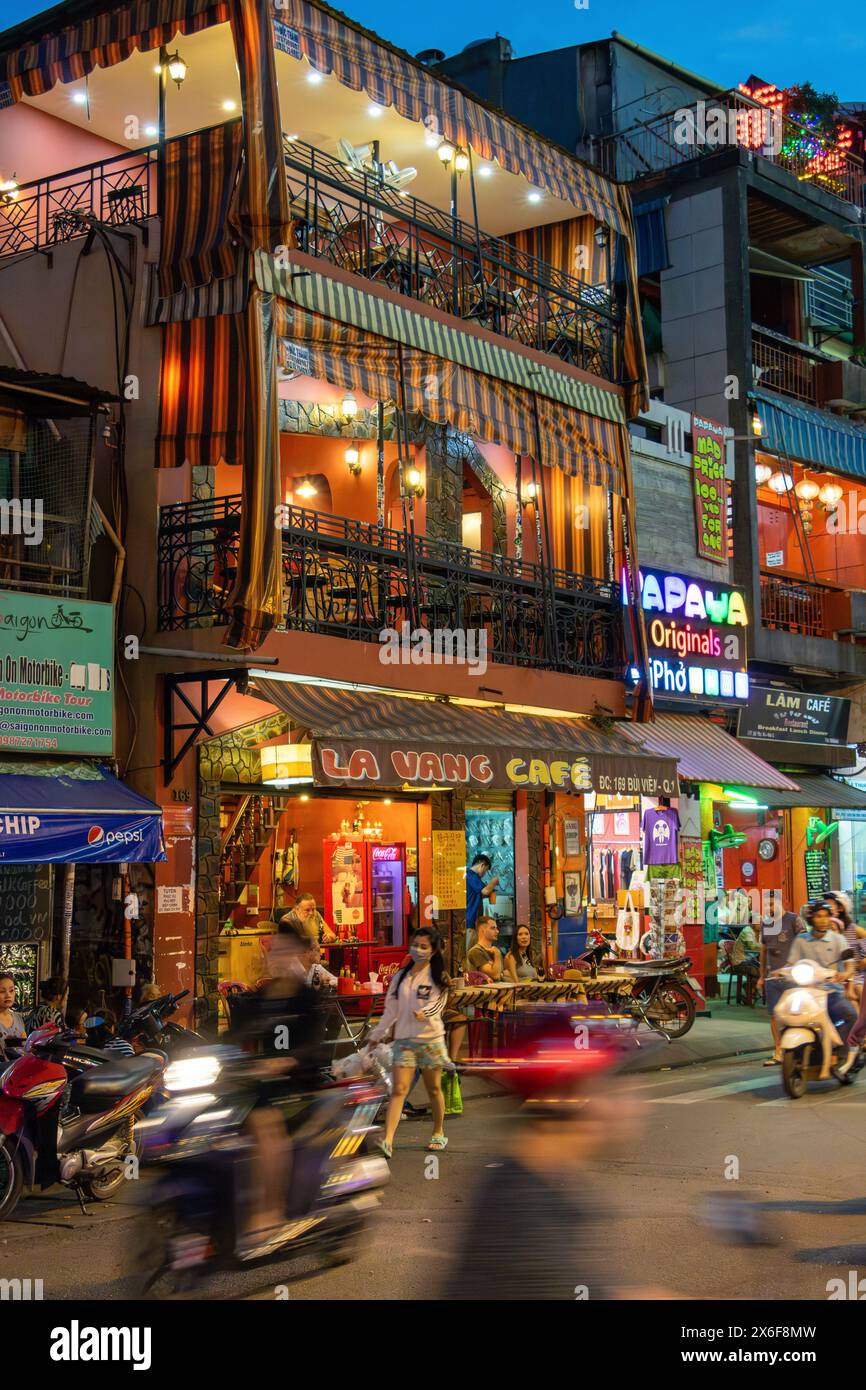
<point>661,827</point>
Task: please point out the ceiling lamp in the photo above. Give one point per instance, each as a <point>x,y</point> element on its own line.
<point>763,474</point>
<point>176,68</point>
<point>807,489</point>
<point>781,482</point>
<point>830,495</point>
<point>353,459</point>
<point>306,489</point>
<point>286,764</point>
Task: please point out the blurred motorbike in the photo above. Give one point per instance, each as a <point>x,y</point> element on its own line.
<point>204,1192</point>
<point>151,1025</point>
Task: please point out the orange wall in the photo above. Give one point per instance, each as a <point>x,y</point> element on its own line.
<point>839,555</point>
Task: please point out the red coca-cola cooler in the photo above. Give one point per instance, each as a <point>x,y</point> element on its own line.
<point>366,901</point>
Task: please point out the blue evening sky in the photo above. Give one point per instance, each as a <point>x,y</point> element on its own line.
<point>784,41</point>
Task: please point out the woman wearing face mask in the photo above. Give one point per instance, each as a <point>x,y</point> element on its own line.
<point>414,1006</point>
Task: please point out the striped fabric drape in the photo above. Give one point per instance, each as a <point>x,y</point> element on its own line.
<point>201,392</point>
<point>572,248</point>
<point>633,369</point>
<point>103,40</point>
<point>586,526</point>
<point>446,393</point>
<point>199,180</point>
<point>260,214</point>
<point>365,63</point>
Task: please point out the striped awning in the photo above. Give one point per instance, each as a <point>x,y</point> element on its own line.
<point>425,742</point>
<point>416,329</point>
<point>819,791</point>
<point>201,392</point>
<point>199,177</point>
<point>813,436</point>
<point>705,753</point>
<point>533,425</point>
<point>103,39</point>
<point>362,61</point>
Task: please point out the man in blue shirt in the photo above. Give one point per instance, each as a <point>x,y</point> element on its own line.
<point>477,889</point>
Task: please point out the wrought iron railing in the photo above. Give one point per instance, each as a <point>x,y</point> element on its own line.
<point>38,215</point>
<point>352,579</point>
<point>783,366</point>
<point>357,222</point>
<point>730,119</point>
<point>795,605</point>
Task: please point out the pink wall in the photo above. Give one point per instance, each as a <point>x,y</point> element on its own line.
<point>34,144</point>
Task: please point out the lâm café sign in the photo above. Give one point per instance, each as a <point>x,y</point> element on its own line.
<point>378,763</point>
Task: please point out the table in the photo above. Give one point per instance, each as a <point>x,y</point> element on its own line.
<point>506,995</point>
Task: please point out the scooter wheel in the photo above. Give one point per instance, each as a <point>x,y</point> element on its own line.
<point>11,1181</point>
<point>845,1078</point>
<point>793,1074</point>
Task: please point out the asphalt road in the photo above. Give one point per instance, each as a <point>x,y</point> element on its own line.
<point>723,1128</point>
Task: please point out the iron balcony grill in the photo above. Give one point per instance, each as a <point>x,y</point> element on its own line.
<point>352,579</point>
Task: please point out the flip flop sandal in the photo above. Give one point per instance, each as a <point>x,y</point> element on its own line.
<point>773,1062</point>
<point>439,1141</point>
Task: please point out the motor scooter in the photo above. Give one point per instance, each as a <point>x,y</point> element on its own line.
<point>67,1115</point>
<point>813,1042</point>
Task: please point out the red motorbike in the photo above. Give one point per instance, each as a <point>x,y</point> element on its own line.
<point>67,1115</point>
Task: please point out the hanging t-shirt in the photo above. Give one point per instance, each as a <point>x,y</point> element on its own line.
<point>661,828</point>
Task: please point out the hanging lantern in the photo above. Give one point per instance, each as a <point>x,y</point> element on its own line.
<point>287,763</point>
<point>807,489</point>
<point>829,496</point>
<point>781,483</point>
<point>763,473</point>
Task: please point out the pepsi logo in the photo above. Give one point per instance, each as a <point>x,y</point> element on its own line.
<point>95,834</point>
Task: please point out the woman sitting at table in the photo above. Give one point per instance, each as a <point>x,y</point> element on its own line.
<point>519,964</point>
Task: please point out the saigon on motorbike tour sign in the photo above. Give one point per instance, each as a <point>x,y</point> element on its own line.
<point>56,675</point>
<point>710,490</point>
<point>341,762</point>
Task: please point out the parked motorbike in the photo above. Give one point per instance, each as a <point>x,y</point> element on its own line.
<point>812,1041</point>
<point>67,1115</point>
<point>151,1026</point>
<point>663,994</point>
<point>204,1191</point>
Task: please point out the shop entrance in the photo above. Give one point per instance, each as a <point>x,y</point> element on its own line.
<point>490,831</point>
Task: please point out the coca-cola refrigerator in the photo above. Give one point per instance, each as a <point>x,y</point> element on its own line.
<point>366,902</point>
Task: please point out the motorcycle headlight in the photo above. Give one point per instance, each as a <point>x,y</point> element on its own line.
<point>804,972</point>
<point>192,1073</point>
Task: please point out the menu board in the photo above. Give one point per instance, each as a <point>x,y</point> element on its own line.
<point>711,498</point>
<point>449,869</point>
<point>25,902</point>
<point>817,871</point>
<point>692,871</point>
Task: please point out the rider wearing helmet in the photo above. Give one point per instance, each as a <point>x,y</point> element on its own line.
<point>824,945</point>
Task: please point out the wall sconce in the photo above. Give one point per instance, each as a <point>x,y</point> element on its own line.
<point>446,152</point>
<point>529,494</point>
<point>757,426</point>
<point>763,474</point>
<point>9,190</point>
<point>305,489</point>
<point>349,406</point>
<point>414,482</point>
<point>176,67</point>
<point>601,237</point>
<point>353,460</point>
<point>461,161</point>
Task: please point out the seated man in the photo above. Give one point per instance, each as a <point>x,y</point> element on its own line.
<point>306,917</point>
<point>315,973</point>
<point>485,955</point>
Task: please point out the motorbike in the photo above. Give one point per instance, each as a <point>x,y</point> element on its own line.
<point>203,1193</point>
<point>662,993</point>
<point>67,1115</point>
<point>151,1026</point>
<point>813,1048</point>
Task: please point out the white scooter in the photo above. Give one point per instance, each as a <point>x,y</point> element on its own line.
<point>812,1049</point>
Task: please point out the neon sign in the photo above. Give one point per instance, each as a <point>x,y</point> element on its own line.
<point>696,637</point>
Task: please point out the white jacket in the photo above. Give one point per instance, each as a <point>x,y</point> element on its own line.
<point>418,994</point>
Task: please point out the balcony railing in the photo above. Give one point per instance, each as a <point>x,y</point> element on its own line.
<point>39,215</point>
<point>784,366</point>
<point>357,222</point>
<point>796,605</point>
<point>351,579</point>
<point>731,119</point>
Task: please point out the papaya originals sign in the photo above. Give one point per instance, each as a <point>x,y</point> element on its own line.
<point>696,636</point>
<point>378,763</point>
